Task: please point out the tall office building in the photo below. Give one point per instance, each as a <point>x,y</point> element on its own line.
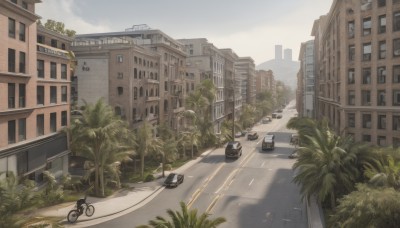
<point>278,52</point>
<point>287,54</point>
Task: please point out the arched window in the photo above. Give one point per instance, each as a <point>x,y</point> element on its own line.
<point>135,59</point>
<point>141,92</point>
<point>135,93</point>
<point>165,105</point>
<point>140,74</point>
<point>134,73</point>
<point>156,92</point>
<point>151,92</point>
<point>144,74</point>
<point>156,110</point>
<point>151,75</point>
<point>118,111</point>
<point>146,112</point>
<point>156,76</point>
<point>151,109</point>
<point>147,93</point>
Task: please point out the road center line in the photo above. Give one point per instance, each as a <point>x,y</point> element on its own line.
<point>251,181</point>
<point>262,164</point>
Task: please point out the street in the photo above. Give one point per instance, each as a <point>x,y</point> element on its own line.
<point>255,190</point>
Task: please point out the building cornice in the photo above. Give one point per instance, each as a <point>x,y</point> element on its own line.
<point>19,10</point>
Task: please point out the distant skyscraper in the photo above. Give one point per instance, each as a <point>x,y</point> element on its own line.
<point>278,52</point>
<point>287,54</point>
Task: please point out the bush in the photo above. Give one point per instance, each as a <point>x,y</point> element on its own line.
<point>168,167</point>
<point>149,178</point>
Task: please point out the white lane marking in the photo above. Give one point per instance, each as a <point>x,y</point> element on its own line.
<point>262,164</point>
<point>251,181</point>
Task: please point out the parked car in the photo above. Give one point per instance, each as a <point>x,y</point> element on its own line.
<point>173,180</point>
<point>238,134</point>
<point>252,135</point>
<point>266,120</point>
<point>279,116</point>
<point>279,110</point>
<point>268,142</point>
<point>274,115</point>
<point>233,150</point>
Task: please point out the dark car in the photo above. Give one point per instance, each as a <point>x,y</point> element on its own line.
<point>268,142</point>
<point>279,116</point>
<point>279,110</point>
<point>233,150</point>
<point>173,180</point>
<point>252,135</point>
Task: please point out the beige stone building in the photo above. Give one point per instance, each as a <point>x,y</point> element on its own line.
<point>34,85</point>
<point>265,81</point>
<point>246,68</point>
<point>358,69</point>
<point>153,61</point>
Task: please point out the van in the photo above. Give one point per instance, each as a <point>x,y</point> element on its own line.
<point>268,142</point>
<point>233,150</point>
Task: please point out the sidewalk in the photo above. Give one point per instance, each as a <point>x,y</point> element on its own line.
<point>126,200</point>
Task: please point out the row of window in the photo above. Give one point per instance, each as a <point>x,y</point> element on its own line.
<point>381,49</point>
<point>53,70</point>
<point>12,61</point>
<point>153,110</point>
<point>40,94</point>
<point>53,42</point>
<point>139,74</point>
<point>12,30</point>
<point>367,4</point>
<point>367,25</point>
<point>17,128</point>
<point>152,93</point>
<point>23,3</point>
<point>366,98</point>
<point>380,75</point>
<point>366,119</point>
<point>147,63</point>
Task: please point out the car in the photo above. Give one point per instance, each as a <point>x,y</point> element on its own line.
<point>274,115</point>
<point>294,139</point>
<point>252,135</point>
<point>238,134</point>
<point>173,180</point>
<point>294,154</point>
<point>268,142</point>
<point>266,120</point>
<point>279,116</point>
<point>233,150</point>
<point>279,111</point>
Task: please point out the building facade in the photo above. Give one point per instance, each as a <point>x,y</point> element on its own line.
<point>246,68</point>
<point>34,87</point>
<point>359,70</point>
<point>307,95</point>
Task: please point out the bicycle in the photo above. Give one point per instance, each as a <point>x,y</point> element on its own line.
<point>80,206</point>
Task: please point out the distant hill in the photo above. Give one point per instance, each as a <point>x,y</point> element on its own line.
<point>284,70</point>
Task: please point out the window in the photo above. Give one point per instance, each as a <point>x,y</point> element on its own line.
<point>396,123</point>
<point>120,58</point>
<point>53,122</point>
<point>396,97</point>
<point>53,94</point>
<point>22,62</point>
<point>366,120</point>
<point>11,28</point>
<point>352,52</point>
<point>381,3</point>
<point>381,98</point>
<point>22,94</point>
<point>40,124</point>
<point>54,43</point>
<point>11,60</point>
<point>166,86</point>
<point>367,52</point>
<point>120,75</point>
<point>396,1</point>
<point>381,75</point>
<point>24,5</point>
<point>350,79</point>
<point>381,140</point>
<point>63,71</point>
<point>53,70</point>
<point>40,39</point>
<point>350,27</point>
<point>366,138</point>
<point>135,73</point>
<point>396,74</point>
<point>366,26</point>
<point>63,46</point>
<point>351,120</point>
<point>396,21</point>
<point>366,4</point>
<point>21,129</point>
<point>382,122</point>
<point>11,132</point>
<point>366,97</point>
<point>64,94</point>
<point>120,90</point>
<point>366,75</point>
<point>382,24</point>
<point>21,31</point>
<point>382,50</point>
<point>135,93</point>
<point>141,92</point>
<point>64,118</point>
<point>40,95</point>
<point>11,95</point>
<point>14,1</point>
<point>40,68</point>
<point>351,97</point>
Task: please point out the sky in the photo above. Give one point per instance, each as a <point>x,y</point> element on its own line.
<point>249,27</point>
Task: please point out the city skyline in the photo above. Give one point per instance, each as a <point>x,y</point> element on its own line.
<point>263,22</point>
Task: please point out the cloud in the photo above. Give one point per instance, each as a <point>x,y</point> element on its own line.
<point>64,11</point>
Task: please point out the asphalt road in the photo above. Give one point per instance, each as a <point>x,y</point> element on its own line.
<point>255,190</point>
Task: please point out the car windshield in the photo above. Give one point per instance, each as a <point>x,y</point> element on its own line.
<point>170,177</point>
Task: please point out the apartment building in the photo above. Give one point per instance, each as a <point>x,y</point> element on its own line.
<point>168,71</point>
<point>358,51</point>
<point>246,68</point>
<point>211,61</point>
<point>34,85</point>
<point>307,95</point>
<point>125,75</point>
<point>265,81</point>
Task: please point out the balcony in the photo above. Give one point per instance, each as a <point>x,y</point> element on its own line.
<point>152,81</point>
<point>178,109</point>
<point>152,98</point>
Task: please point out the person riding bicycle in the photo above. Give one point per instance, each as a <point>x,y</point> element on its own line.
<point>79,204</point>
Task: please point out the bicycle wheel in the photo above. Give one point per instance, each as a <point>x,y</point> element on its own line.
<point>89,210</point>
<point>73,216</point>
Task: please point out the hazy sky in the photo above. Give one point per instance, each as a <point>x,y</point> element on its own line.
<point>248,27</point>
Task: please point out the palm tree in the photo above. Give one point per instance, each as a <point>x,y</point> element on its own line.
<point>196,101</point>
<point>101,131</point>
<point>324,164</point>
<point>387,174</point>
<point>168,151</point>
<point>192,137</point>
<point>146,143</point>
<point>185,219</point>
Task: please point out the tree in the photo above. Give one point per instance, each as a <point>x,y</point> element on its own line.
<point>184,219</point>
<point>387,174</point>
<point>105,137</point>
<point>324,164</point>
<point>368,207</point>
<point>58,27</point>
<point>192,137</point>
<point>146,143</point>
